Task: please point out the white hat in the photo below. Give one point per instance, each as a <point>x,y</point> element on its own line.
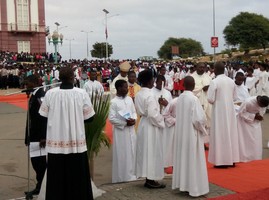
<point>125,66</point>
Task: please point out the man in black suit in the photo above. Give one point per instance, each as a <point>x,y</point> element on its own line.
<point>37,129</point>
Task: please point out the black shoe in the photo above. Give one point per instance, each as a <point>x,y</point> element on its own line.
<point>33,192</point>
<point>154,185</point>
<point>221,166</point>
<point>233,165</point>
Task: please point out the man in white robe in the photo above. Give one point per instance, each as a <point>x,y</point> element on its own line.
<point>169,115</point>
<point>190,172</point>
<point>149,152</point>
<point>262,86</point>
<point>66,108</point>
<point>163,96</point>
<point>241,90</point>
<point>223,140</point>
<point>169,83</point>
<point>249,127</point>
<point>122,115</point>
<point>124,69</point>
<point>92,86</point>
<point>251,82</point>
<point>161,93</point>
<point>202,81</point>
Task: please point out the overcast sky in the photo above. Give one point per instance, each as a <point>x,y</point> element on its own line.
<point>140,27</point>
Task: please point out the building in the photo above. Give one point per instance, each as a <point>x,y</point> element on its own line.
<point>22,26</point>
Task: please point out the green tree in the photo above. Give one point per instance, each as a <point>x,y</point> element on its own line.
<point>249,30</point>
<point>187,48</point>
<point>99,50</point>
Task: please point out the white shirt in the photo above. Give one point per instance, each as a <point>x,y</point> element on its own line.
<point>164,93</point>
<point>241,93</point>
<point>93,86</point>
<point>66,110</point>
<point>56,74</point>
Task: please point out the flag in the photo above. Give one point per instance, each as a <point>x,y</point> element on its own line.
<point>106,33</point>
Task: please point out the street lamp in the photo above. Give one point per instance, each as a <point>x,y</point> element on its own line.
<point>70,49</point>
<point>106,12</point>
<point>57,25</point>
<point>62,27</point>
<point>87,32</point>
<point>55,39</point>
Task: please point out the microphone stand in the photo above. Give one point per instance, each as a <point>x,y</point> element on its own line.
<point>28,194</point>
<point>31,90</point>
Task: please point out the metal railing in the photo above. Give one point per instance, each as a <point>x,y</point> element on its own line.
<point>23,27</point>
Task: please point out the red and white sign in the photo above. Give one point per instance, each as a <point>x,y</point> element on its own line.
<point>175,50</point>
<point>214,41</point>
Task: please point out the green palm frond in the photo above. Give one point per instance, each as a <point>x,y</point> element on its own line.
<point>94,130</point>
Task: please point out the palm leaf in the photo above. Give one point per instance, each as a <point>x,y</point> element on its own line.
<point>95,135</point>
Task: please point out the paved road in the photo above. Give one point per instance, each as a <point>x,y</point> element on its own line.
<point>13,165</point>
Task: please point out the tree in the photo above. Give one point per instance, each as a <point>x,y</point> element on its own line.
<point>187,48</point>
<point>248,30</point>
<point>99,50</point>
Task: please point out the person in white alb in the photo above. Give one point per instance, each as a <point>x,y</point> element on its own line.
<point>249,119</point>
<point>66,108</point>
<point>262,86</point>
<point>202,81</point>
<point>169,115</point>
<point>190,171</point>
<point>223,140</point>
<point>251,82</point>
<point>149,154</point>
<point>241,90</point>
<point>161,93</point>
<point>169,83</point>
<point>163,96</point>
<point>92,86</point>
<point>122,115</point>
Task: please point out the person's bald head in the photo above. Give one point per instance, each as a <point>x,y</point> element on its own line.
<point>189,83</point>
<point>219,68</point>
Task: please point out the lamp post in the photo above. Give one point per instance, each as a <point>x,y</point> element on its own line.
<point>70,49</point>
<point>87,33</point>
<point>106,12</point>
<point>55,39</point>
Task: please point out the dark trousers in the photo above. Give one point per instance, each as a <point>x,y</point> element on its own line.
<point>4,82</point>
<point>68,177</point>
<point>39,165</point>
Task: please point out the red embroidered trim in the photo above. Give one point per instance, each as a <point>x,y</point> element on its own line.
<point>66,144</point>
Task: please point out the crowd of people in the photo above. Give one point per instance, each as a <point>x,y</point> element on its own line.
<point>216,107</point>
<point>13,57</point>
<point>164,114</point>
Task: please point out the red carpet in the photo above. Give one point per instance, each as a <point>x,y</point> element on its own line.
<point>108,130</point>
<point>245,177</point>
<point>254,195</point>
<point>19,100</point>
